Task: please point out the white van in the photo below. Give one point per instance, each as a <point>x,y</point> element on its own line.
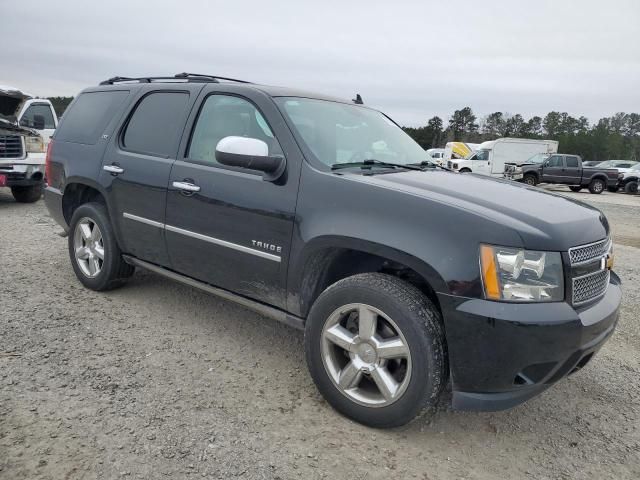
<point>490,157</point>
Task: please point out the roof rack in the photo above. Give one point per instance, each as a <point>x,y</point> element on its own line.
<point>179,77</point>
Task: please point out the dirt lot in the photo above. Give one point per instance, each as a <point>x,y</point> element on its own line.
<point>156,380</point>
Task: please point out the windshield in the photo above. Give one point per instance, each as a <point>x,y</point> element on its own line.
<point>337,133</point>
<point>538,158</point>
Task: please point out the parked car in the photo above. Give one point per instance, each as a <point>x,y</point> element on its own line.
<point>26,124</point>
<point>630,179</point>
<point>622,166</point>
<point>321,213</point>
<point>564,169</point>
<point>491,157</point>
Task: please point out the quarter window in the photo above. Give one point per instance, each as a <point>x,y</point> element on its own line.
<point>38,113</point>
<point>155,126</point>
<point>225,116</point>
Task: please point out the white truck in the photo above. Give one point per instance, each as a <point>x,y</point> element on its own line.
<point>26,126</point>
<point>491,157</point>
<point>436,155</point>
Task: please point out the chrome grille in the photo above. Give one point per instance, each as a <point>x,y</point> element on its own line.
<point>590,286</point>
<point>585,253</point>
<point>11,146</point>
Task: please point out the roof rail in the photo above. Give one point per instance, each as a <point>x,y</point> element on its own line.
<point>188,77</point>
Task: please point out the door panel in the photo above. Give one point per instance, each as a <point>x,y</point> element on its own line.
<point>552,169</point>
<point>136,169</point>
<point>235,231</point>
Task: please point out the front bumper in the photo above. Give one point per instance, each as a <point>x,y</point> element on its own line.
<point>502,354</point>
<point>22,174</point>
<point>513,176</point>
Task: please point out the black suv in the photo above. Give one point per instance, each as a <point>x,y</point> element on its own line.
<point>323,214</point>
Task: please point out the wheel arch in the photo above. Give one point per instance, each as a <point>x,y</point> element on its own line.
<point>81,190</point>
<point>326,260</point>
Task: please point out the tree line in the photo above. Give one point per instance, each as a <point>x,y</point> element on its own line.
<point>615,137</point>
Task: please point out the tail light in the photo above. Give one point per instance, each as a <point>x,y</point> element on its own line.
<point>47,163</point>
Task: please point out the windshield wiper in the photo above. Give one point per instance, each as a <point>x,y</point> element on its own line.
<point>368,163</point>
<point>430,164</point>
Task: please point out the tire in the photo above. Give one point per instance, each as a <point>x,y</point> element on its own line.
<point>612,189</point>
<point>631,187</point>
<point>29,194</point>
<point>575,188</point>
<point>106,273</point>
<point>465,170</point>
<point>597,186</point>
<point>419,376</point>
<point>530,180</point>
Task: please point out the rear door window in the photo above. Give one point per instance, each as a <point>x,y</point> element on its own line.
<point>156,124</point>
<point>572,162</point>
<point>89,115</point>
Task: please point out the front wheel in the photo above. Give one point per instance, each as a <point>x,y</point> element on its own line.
<point>575,188</point>
<point>95,256</point>
<point>376,350</point>
<point>597,186</point>
<point>28,194</point>
<point>465,170</point>
<point>631,187</point>
<point>530,180</point>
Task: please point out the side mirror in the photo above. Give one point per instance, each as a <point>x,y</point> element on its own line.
<point>249,153</point>
<point>38,122</point>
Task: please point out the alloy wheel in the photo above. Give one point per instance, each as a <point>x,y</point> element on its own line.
<point>88,247</point>
<point>366,355</point>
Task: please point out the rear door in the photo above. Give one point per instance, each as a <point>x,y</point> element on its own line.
<point>552,170</point>
<point>233,229</point>
<point>136,166</point>
<point>572,174</point>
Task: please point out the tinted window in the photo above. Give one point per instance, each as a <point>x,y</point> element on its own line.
<point>89,115</point>
<point>555,161</point>
<point>572,161</point>
<point>224,116</point>
<point>36,110</point>
<point>155,126</point>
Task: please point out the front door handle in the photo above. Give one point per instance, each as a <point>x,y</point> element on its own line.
<point>186,186</point>
<point>113,169</point>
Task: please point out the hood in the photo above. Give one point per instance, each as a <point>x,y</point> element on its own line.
<point>543,220</point>
<point>11,101</point>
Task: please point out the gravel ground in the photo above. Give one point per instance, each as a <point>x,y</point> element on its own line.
<point>157,380</point>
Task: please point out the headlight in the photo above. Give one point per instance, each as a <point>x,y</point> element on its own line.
<point>517,275</point>
<point>34,144</point>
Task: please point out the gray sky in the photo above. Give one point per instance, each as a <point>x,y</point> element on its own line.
<point>412,59</point>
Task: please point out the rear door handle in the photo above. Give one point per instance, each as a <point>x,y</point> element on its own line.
<point>186,186</point>
<point>113,169</point>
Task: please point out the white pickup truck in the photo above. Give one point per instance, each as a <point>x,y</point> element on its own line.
<point>26,126</point>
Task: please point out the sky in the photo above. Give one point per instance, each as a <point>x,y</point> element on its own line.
<point>411,59</point>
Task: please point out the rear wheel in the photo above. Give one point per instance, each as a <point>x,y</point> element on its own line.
<point>375,348</point>
<point>28,194</point>
<point>575,188</point>
<point>530,179</point>
<point>631,187</point>
<point>597,186</point>
<point>95,255</point>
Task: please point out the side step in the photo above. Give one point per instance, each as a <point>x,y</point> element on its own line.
<point>266,310</point>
